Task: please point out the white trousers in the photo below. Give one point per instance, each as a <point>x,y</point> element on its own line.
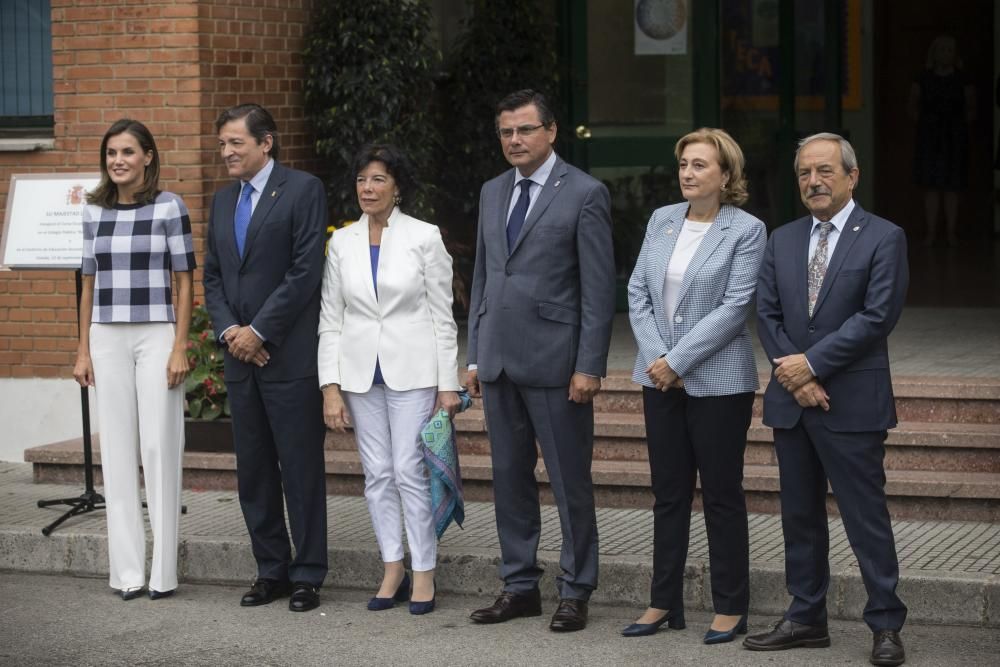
<point>387,426</point>
<point>139,415</point>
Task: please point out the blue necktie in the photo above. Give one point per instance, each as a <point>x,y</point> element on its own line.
<point>242,221</point>
<point>518,214</point>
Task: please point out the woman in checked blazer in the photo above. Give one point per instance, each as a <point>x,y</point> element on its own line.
<point>689,297</point>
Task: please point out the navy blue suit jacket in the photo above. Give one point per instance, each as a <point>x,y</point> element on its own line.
<point>846,339</point>
<point>275,285</point>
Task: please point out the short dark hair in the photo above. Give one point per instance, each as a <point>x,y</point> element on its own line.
<point>396,163</point>
<point>106,192</point>
<point>259,120</point>
<point>522,98</point>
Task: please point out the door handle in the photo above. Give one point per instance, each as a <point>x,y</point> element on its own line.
<point>582,132</point>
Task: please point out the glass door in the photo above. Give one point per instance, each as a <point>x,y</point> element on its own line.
<point>634,91</point>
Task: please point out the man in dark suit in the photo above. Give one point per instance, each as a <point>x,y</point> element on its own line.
<point>830,291</point>
<point>539,330</point>
<point>262,277</point>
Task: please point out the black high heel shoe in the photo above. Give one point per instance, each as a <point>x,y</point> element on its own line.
<point>420,608</point>
<point>723,636</point>
<point>673,619</point>
<point>130,593</point>
<point>402,595</point>
<point>159,595</point>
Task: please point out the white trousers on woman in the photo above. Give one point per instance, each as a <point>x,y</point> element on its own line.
<point>387,426</point>
<point>139,415</point>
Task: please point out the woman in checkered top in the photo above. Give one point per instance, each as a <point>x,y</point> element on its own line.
<point>133,350</point>
<point>689,298</point>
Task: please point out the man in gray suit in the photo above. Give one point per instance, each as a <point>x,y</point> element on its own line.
<point>539,330</point>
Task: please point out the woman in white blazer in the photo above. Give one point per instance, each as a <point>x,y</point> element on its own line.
<point>689,298</point>
<point>388,360</point>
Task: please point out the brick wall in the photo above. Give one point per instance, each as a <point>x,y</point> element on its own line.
<point>174,65</point>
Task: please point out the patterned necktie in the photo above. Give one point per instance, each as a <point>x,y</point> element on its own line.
<point>518,214</point>
<point>242,220</point>
<point>817,265</point>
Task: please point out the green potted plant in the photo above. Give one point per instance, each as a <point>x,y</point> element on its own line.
<point>206,405</point>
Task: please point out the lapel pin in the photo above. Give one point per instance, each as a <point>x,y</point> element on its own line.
<point>857,227</point>
<point>556,184</point>
<point>670,231</point>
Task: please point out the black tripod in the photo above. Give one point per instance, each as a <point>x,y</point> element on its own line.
<point>90,499</point>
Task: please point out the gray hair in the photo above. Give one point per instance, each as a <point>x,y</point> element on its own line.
<point>847,157</point>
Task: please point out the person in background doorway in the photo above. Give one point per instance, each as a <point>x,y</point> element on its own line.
<point>943,103</point>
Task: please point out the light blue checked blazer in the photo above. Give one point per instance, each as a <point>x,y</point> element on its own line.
<point>708,343</point>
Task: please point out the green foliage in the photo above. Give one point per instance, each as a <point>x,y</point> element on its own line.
<point>205,388</point>
<point>505,46</point>
<point>370,79</point>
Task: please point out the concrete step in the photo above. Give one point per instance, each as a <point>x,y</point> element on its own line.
<point>622,437</point>
<point>947,399</point>
<point>938,495</point>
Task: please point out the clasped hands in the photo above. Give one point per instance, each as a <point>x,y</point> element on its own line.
<point>663,376</point>
<point>246,346</point>
<point>793,373</point>
<point>337,418</point>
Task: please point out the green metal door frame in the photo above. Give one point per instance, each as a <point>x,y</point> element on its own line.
<point>630,151</point>
<point>706,19</point>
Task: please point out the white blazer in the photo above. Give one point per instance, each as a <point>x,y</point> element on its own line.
<point>409,328</point>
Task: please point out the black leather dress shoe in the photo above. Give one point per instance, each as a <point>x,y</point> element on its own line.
<point>264,591</point>
<point>304,597</point>
<point>570,616</point>
<point>508,606</point>
<point>789,634</point>
<point>887,648</point>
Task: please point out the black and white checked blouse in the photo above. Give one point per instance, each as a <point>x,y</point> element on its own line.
<point>131,250</point>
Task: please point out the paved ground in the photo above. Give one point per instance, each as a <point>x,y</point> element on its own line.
<point>931,546</point>
<point>62,620</point>
<point>950,570</point>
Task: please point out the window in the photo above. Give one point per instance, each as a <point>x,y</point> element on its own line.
<point>25,68</point>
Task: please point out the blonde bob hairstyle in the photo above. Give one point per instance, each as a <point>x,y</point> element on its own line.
<point>730,161</point>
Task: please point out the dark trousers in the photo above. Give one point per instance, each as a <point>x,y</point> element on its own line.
<point>515,416</point>
<point>278,433</point>
<point>808,455</point>
<point>707,436</point>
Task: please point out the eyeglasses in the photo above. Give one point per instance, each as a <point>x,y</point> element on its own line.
<point>523,130</point>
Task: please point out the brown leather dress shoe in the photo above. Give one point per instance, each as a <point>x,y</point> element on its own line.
<point>789,634</point>
<point>887,648</point>
<point>264,591</point>
<point>570,616</point>
<point>508,606</point>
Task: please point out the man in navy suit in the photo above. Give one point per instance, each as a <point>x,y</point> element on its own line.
<point>262,278</point>
<point>830,291</point>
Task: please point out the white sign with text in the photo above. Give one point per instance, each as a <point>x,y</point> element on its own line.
<point>43,225</point>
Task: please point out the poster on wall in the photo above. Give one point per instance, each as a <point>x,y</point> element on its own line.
<point>661,27</point>
<point>43,227</point>
<point>751,54</point>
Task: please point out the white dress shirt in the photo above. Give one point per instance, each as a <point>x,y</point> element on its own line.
<point>839,220</point>
<point>538,179</point>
